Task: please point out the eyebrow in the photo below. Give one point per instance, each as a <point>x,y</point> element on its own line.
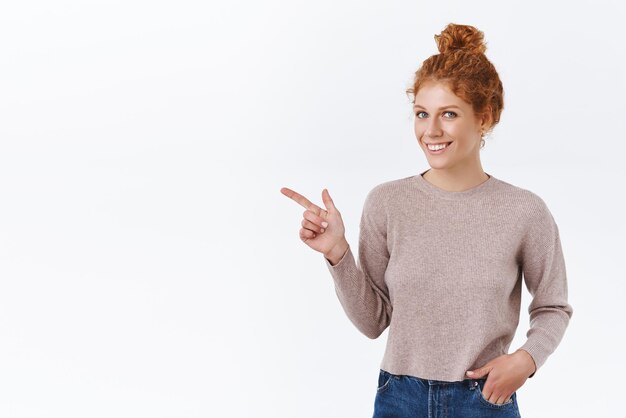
<point>443,107</point>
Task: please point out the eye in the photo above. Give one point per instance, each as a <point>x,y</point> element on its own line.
<point>449,111</point>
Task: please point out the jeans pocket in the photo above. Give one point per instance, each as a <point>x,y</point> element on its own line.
<point>484,400</point>
<point>384,379</point>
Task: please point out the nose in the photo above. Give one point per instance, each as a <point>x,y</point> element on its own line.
<point>432,133</point>
<point>432,130</point>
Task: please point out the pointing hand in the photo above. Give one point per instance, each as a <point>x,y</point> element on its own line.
<point>322,229</point>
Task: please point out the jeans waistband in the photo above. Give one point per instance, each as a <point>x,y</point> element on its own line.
<point>470,383</point>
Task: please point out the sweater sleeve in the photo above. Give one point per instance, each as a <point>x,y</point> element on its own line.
<point>361,287</point>
<point>543,265</point>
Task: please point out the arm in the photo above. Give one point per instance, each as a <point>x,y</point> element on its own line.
<point>361,287</point>
<point>545,277</point>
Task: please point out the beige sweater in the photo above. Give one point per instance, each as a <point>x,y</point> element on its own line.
<point>443,270</point>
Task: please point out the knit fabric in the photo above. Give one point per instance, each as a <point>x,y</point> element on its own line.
<point>443,270</point>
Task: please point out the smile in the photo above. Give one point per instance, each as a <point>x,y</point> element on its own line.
<point>437,148</point>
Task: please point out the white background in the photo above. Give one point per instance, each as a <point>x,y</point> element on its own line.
<point>150,266</point>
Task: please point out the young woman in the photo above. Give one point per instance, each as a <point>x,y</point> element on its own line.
<point>442,255</point>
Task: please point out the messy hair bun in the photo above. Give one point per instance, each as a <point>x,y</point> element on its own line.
<point>463,37</point>
<point>464,68</point>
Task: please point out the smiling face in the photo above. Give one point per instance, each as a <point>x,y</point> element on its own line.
<point>441,117</point>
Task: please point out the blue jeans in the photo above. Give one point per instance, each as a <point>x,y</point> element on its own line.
<point>403,396</point>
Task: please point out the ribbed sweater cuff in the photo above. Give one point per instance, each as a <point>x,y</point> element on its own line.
<point>544,336</point>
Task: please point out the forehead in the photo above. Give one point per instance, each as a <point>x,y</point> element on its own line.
<point>435,95</point>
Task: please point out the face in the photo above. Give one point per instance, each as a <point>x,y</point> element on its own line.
<point>441,117</point>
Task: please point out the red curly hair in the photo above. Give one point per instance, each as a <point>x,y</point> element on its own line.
<point>463,67</point>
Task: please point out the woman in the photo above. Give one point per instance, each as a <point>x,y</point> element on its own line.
<point>442,254</point>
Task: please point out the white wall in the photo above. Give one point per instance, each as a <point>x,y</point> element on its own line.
<point>150,266</point>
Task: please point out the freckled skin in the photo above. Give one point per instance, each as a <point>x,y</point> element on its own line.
<point>458,167</point>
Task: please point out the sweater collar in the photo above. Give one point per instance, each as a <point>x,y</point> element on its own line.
<point>435,191</point>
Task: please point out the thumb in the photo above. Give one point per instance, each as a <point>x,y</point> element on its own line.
<point>480,372</point>
<point>328,201</point>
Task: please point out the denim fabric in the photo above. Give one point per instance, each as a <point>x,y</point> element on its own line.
<point>402,396</point>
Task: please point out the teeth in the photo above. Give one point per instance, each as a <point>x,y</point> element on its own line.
<point>437,147</point>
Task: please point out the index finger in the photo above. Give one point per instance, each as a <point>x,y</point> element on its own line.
<point>303,201</point>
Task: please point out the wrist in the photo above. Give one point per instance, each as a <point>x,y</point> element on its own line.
<point>337,252</point>
<point>528,359</point>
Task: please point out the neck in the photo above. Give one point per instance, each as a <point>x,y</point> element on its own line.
<point>455,180</point>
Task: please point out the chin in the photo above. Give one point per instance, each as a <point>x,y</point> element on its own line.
<point>438,164</point>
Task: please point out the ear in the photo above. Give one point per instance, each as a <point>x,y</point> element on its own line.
<point>485,120</point>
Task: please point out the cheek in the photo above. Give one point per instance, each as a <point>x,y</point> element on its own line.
<point>456,130</point>
<point>460,133</point>
<point>419,129</point>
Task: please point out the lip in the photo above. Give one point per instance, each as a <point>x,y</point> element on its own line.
<point>438,152</point>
